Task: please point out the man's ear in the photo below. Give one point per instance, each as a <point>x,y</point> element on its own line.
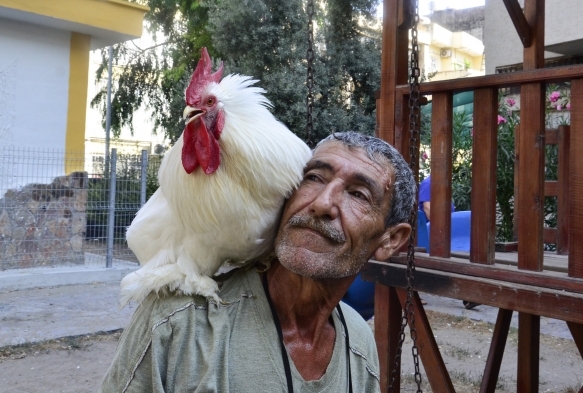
<point>392,240</point>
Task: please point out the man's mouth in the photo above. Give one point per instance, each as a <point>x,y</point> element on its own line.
<point>324,228</point>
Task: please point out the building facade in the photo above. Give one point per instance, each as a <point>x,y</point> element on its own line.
<point>44,66</point>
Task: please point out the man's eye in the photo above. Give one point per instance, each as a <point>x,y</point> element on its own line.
<point>311,177</point>
<point>359,195</point>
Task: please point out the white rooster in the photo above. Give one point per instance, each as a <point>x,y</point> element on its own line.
<point>222,187</point>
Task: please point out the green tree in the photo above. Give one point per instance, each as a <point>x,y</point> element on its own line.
<point>155,76</point>
<point>262,38</point>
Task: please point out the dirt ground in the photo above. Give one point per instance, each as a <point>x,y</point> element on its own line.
<point>77,364</point>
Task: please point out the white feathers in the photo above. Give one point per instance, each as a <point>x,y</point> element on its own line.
<point>194,223</point>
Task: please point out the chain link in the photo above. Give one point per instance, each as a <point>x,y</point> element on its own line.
<point>310,74</point>
<point>414,127</point>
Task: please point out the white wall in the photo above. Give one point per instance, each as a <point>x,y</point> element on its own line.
<point>563,20</point>
<point>34,89</point>
<point>34,85</point>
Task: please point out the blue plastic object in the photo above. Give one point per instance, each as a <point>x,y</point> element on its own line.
<point>422,231</point>
<point>460,230</point>
<point>360,296</point>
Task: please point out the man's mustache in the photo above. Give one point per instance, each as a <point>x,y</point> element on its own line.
<point>323,227</point>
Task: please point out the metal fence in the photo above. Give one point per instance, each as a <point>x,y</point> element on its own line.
<point>67,209</point>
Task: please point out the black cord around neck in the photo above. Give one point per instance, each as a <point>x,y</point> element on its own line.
<point>284,356</point>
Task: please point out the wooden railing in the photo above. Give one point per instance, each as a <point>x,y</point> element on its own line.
<point>531,138</point>
<point>528,288</point>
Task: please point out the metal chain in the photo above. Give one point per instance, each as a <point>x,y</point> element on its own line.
<point>310,75</point>
<point>414,127</point>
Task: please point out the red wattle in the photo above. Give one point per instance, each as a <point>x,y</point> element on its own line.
<point>207,150</point>
<point>189,160</point>
<point>200,148</point>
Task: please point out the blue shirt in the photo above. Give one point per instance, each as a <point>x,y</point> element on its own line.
<point>425,193</point>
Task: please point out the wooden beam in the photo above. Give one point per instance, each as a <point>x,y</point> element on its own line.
<point>534,54</point>
<point>577,333</point>
<point>552,137</point>
<point>519,20</point>
<point>549,75</point>
<point>550,235</point>
<point>393,68</point>
<point>496,353</point>
<point>546,279</point>
<point>484,148</point>
<point>551,188</point>
<point>557,304</point>
<point>441,156</point>
<point>528,353</point>
<point>437,374</point>
<point>402,132</point>
<point>576,181</point>
<point>387,323</point>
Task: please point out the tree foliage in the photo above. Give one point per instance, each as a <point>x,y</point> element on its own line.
<point>266,39</point>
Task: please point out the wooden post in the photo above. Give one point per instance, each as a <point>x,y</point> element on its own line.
<point>392,120</point>
<point>564,195</point>
<point>576,181</point>
<point>484,145</point>
<point>531,192</point>
<point>499,337</point>
<point>387,323</point>
<point>532,148</point>
<point>528,353</point>
<point>437,374</point>
<point>393,65</point>
<point>441,145</point>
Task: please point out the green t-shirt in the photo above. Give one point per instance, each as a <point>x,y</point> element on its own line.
<point>184,344</point>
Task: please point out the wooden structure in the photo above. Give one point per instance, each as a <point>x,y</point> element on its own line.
<point>527,288</point>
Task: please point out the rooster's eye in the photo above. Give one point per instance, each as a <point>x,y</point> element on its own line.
<point>210,101</point>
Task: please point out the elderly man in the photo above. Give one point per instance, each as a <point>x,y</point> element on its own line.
<point>283,329</point>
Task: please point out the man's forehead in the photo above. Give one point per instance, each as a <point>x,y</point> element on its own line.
<point>352,153</point>
<point>335,155</point>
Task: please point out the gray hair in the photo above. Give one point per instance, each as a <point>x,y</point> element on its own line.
<point>404,193</point>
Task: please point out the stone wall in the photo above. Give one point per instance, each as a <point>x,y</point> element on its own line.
<point>43,225</point>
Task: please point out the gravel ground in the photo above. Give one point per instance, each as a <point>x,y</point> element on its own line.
<point>77,364</point>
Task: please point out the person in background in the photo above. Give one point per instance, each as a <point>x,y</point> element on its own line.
<point>425,197</point>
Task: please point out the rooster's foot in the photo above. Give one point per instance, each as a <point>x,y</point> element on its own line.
<point>203,286</point>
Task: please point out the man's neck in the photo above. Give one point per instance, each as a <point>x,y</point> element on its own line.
<point>304,307</point>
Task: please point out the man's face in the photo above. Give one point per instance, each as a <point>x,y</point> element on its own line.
<point>335,220</point>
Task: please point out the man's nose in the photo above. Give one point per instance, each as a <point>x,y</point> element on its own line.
<point>327,202</point>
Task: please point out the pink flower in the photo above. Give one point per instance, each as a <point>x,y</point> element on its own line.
<point>568,106</point>
<point>555,95</point>
<point>424,156</point>
<point>510,102</point>
<point>559,107</point>
<point>501,119</point>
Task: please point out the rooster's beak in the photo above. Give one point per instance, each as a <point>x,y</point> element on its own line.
<point>190,114</point>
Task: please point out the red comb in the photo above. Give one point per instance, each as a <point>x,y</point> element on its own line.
<point>202,76</point>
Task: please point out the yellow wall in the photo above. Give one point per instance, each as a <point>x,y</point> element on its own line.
<point>78,80</point>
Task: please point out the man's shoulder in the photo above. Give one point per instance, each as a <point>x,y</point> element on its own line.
<point>160,306</point>
<point>360,332</point>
